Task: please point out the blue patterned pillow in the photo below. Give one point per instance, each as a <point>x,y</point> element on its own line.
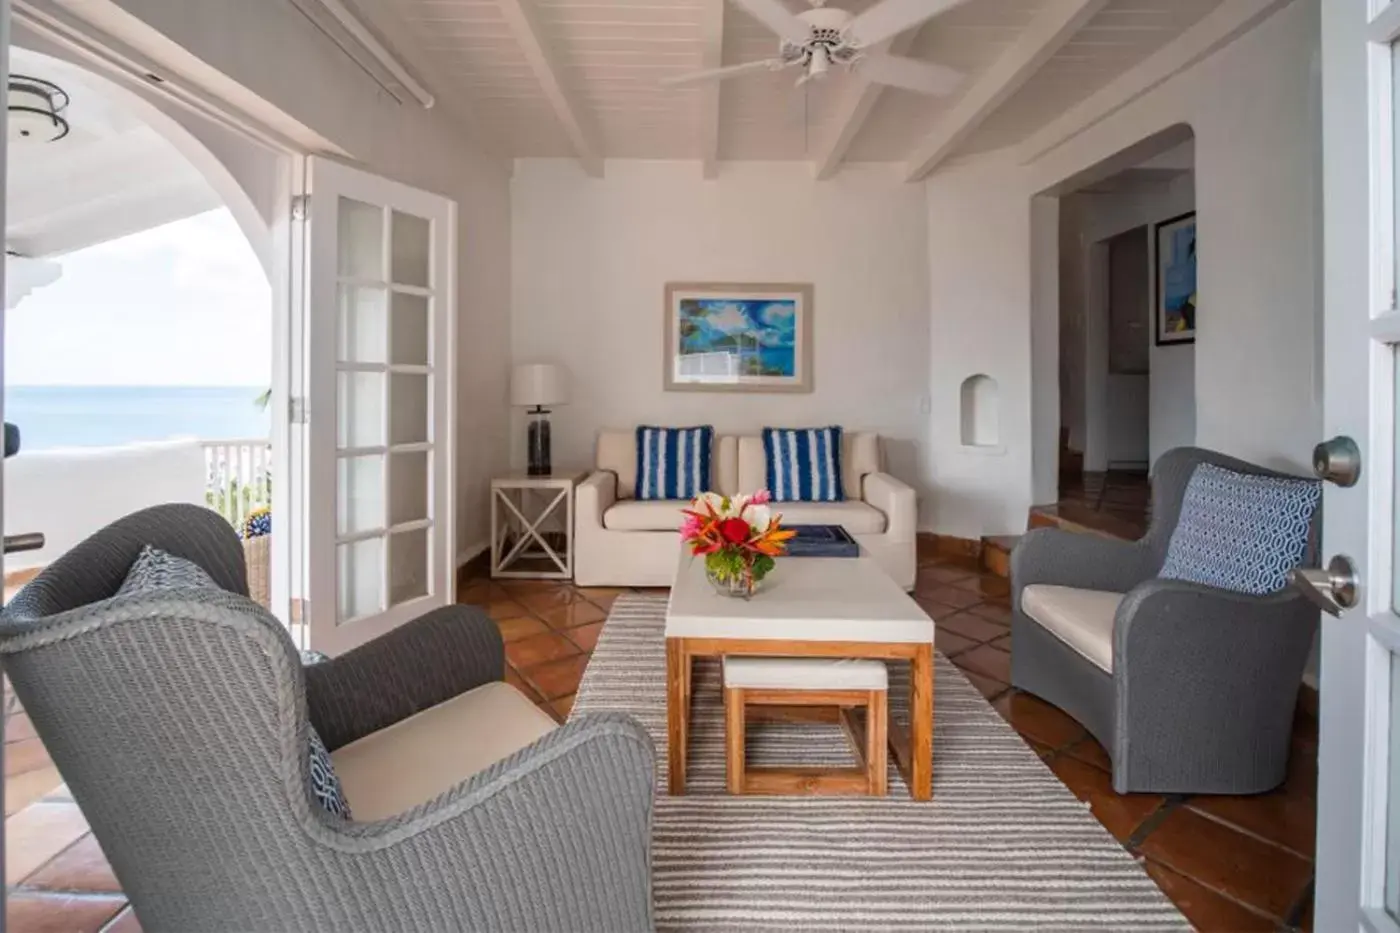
<point>1241,532</point>
<point>155,570</point>
<point>325,786</point>
<point>804,465</point>
<point>673,463</point>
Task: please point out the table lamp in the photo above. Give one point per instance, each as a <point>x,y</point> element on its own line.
<point>535,386</point>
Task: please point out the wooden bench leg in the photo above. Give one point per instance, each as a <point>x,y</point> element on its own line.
<point>734,739</point>
<point>876,743</point>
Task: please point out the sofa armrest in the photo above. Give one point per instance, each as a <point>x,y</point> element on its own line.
<point>1204,673</point>
<point>1085,561</point>
<point>594,496</point>
<point>430,660</point>
<point>554,837</point>
<point>897,501</point>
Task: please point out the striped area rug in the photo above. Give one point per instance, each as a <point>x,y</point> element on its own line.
<point>1002,846</point>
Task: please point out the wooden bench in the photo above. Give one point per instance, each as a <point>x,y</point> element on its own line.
<point>847,684</point>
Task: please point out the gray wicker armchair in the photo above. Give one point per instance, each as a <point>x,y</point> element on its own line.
<point>1199,692</point>
<point>180,725</point>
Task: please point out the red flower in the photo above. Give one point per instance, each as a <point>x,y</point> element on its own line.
<point>734,530</point>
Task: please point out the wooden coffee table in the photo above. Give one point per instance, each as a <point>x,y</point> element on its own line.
<point>809,607</point>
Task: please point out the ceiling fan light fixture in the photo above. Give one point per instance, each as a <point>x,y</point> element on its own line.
<point>36,109</point>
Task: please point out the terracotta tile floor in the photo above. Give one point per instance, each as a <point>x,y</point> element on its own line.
<point>1229,863</point>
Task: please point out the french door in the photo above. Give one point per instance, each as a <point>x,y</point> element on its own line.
<point>379,314</point>
<point>1358,846</point>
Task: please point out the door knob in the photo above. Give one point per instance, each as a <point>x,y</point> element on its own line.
<point>1338,461</point>
<point>1333,588</point>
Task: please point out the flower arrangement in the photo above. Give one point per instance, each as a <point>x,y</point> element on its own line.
<point>738,535</point>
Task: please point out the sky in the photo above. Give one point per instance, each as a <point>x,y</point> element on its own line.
<point>187,303</point>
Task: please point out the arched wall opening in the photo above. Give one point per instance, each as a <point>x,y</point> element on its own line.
<point>141,335</point>
<point>1108,319</point>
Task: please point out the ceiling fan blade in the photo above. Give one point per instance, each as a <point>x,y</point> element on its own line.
<point>891,17</point>
<point>910,73</point>
<point>719,74</point>
<point>776,16</point>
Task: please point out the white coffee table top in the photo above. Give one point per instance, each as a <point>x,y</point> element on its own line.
<point>803,599</point>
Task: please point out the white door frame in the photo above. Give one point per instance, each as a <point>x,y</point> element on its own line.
<point>1361,325</point>
<point>328,183</point>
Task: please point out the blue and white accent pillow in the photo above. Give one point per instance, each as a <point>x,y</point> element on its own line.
<point>325,786</point>
<point>673,463</point>
<point>155,571</point>
<point>804,465</point>
<point>1241,532</point>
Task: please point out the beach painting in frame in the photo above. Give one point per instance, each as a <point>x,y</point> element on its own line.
<point>738,337</point>
<point>1176,280</point>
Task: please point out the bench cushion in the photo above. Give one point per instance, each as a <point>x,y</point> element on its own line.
<point>414,760</point>
<point>805,673</point>
<point>1082,619</point>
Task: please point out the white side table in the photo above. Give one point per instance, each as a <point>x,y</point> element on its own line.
<point>521,507</point>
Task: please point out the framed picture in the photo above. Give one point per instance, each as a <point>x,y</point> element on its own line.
<point>1175,258</point>
<point>738,338</point>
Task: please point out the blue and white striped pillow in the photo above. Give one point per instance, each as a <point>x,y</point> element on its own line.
<point>804,465</point>
<point>673,463</point>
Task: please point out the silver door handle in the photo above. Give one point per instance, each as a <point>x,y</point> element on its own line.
<point>31,541</point>
<point>1334,588</point>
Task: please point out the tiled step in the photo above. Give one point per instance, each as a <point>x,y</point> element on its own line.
<point>1072,517</point>
<point>996,554</point>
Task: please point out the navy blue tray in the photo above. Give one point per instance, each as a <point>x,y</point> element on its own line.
<point>821,541</point>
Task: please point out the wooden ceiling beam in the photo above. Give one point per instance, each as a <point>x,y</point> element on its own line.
<point>529,33</point>
<point>856,109</point>
<point>1052,27</point>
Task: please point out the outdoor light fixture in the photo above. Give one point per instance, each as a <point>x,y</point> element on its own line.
<point>36,110</point>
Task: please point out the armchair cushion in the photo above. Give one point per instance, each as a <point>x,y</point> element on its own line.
<point>1241,532</point>
<point>1082,619</point>
<point>418,758</point>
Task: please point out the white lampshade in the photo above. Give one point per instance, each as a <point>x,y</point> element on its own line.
<point>539,384</point>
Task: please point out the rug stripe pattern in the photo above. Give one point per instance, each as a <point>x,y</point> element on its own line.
<point>1002,846</point>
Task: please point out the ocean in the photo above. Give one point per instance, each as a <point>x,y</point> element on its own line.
<point>103,416</point>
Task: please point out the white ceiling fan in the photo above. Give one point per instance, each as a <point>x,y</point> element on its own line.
<point>817,38</point>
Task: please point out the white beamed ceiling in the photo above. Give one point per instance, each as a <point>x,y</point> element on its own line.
<point>611,54</point>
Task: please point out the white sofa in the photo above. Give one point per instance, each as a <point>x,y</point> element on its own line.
<point>621,541</point>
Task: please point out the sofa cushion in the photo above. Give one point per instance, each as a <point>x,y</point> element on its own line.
<point>418,758</point>
<point>860,456</point>
<point>852,515</point>
<point>1082,619</point>
<point>646,515</point>
<point>803,465</point>
<point>673,463</point>
<point>1241,532</point>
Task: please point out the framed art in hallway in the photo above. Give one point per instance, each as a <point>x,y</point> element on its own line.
<point>738,337</point>
<point>1174,257</point>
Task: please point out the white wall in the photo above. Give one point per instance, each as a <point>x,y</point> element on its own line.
<point>266,58</point>
<point>979,232</point>
<point>591,258</point>
<point>1256,352</point>
<point>69,494</point>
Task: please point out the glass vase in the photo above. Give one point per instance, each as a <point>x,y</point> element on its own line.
<point>738,586</point>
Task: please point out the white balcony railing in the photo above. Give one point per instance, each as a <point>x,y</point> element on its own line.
<point>238,477</point>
